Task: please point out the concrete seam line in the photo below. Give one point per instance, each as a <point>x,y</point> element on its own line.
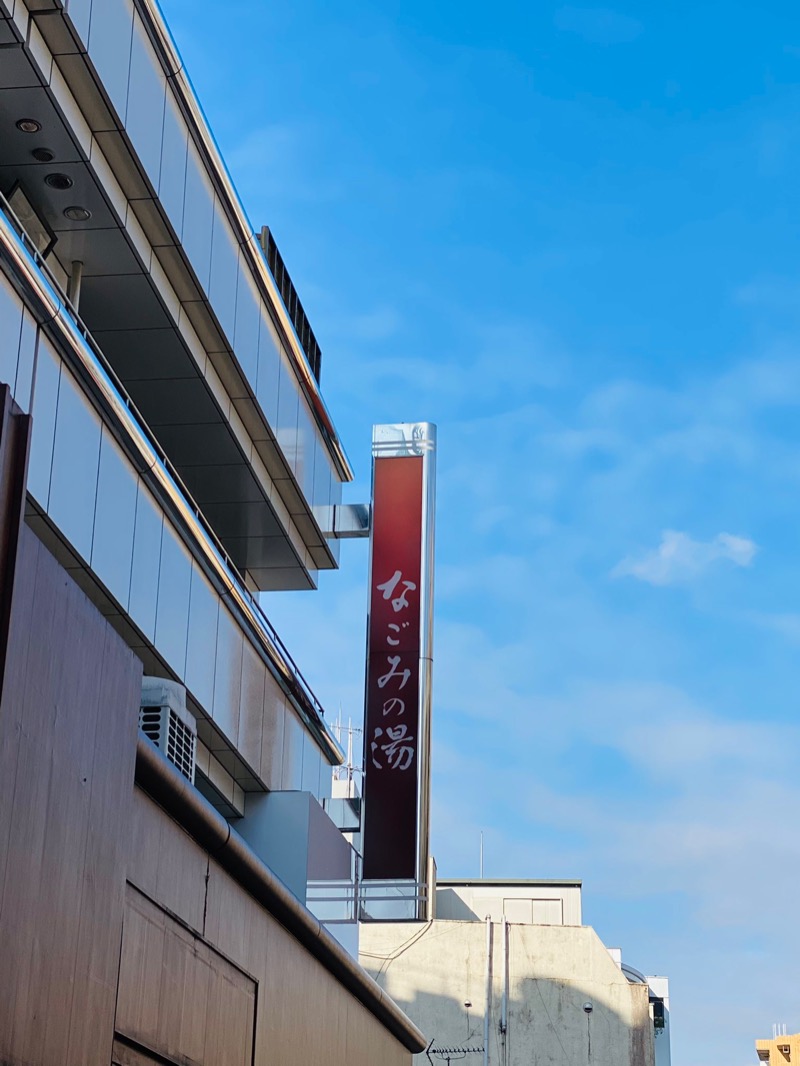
<point>170,789</point>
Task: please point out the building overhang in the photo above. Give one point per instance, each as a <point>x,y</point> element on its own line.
<point>142,303</point>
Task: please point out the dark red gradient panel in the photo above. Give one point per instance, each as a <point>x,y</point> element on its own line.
<point>391,728</point>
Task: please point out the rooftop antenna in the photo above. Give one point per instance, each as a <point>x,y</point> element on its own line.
<point>450,1054</point>
<point>481,862</point>
<point>345,735</point>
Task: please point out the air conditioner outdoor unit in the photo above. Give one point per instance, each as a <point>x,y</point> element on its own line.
<point>163,718</point>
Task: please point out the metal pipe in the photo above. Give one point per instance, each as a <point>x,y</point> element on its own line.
<point>74,284</point>
<point>132,432</point>
<point>170,789</point>
<point>504,1007</point>
<point>488,1008</point>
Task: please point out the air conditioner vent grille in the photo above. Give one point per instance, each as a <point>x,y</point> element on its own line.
<point>164,719</point>
<point>180,746</point>
<point>150,723</point>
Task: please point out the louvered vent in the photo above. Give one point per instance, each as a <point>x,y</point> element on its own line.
<point>164,719</point>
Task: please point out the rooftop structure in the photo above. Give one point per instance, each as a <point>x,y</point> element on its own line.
<point>505,971</point>
<point>781,1049</point>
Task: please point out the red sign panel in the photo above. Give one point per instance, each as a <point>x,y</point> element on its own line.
<point>391,729</point>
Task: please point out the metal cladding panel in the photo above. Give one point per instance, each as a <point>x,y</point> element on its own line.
<point>397,720</point>
<point>67,750</point>
<point>15,432</point>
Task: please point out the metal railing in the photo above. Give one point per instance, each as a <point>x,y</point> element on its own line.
<point>112,391</point>
<point>335,902</point>
<point>291,300</point>
<point>352,899</point>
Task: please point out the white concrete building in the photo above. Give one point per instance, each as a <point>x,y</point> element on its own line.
<point>529,902</point>
<point>506,975</point>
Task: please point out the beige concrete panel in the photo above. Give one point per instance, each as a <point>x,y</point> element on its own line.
<point>230,915</point>
<point>142,957</point>
<point>182,867</point>
<point>37,46</point>
<point>251,710</point>
<point>272,737</point>
<point>73,115</point>
<point>229,1020</point>
<point>177,1030</point>
<point>367,1043</point>
<point>102,895</point>
<point>285,1026</point>
<point>67,732</point>
<point>334,1010</point>
<point>118,157</point>
<point>144,843</point>
<point>337,1032</point>
<point>150,221</point>
<point>179,997</point>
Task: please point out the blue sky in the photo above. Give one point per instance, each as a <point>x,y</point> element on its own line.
<point>567,235</point>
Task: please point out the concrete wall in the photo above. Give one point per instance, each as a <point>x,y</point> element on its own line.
<point>523,902</point>
<point>434,970</point>
<point>301,1015</point>
<point>659,986</point>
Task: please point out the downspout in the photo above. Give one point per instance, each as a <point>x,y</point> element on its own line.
<point>74,284</point>
<point>504,1007</point>
<point>488,1009</point>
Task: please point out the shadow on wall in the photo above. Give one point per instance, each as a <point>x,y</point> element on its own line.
<point>457,909</point>
<point>550,1028</point>
<point>596,1018</point>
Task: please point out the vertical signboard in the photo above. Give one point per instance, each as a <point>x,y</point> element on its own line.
<point>397,721</point>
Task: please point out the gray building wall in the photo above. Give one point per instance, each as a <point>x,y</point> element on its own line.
<point>525,901</point>
<point>437,973</point>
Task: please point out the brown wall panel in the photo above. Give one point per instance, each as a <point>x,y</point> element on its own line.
<point>177,996</point>
<point>177,967</point>
<point>173,871</point>
<point>232,923</point>
<point>15,432</point>
<point>14,683</point>
<point>304,1015</point>
<point>67,742</point>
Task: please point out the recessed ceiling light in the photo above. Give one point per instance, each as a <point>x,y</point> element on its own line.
<point>28,125</point>
<point>44,155</point>
<point>77,214</point>
<point>58,181</point>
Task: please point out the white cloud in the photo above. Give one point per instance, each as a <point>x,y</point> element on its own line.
<point>680,558</point>
<point>699,842</point>
<point>617,745</point>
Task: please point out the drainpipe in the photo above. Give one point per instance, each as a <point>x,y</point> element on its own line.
<point>504,1008</point>
<point>488,1009</point>
<point>74,283</point>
